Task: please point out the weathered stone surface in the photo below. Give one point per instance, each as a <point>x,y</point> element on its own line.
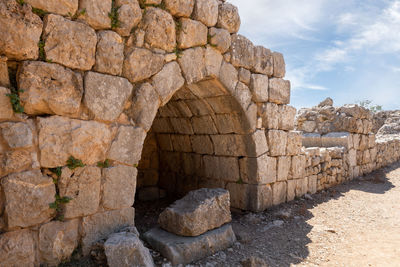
<point>270,115</point>
<point>202,144</point>
<point>17,135</point>
<point>283,168</point>
<point>220,39</point>
<point>298,166</point>
<point>49,89</point>
<point>259,87</point>
<point>228,17</point>
<point>263,61</point>
<point>337,139</point>
<point>193,33</point>
<point>279,65</point>
<point>109,53</point>
<point>118,187</point>
<point>126,249</point>
<point>301,186</point>
<point>242,52</point>
<point>279,91</point>
<point>183,250</point>
<point>206,11</point>
<point>311,140</point>
<point>168,81</point>
<point>286,118</point>
<point>101,225</point>
<point>129,16</point>
<point>105,95</point>
<point>96,13</point>
<point>20,31</point>
<point>60,138</point>
<point>279,191</point>
<point>244,76</point>
<point>180,8</point>
<point>57,241</point>
<point>277,141</point>
<point>4,77</point>
<point>294,143</point>
<point>312,184</point>
<point>197,212</point>
<point>17,161</point>
<point>228,76</point>
<point>213,60</point>
<point>193,64</point>
<point>70,43</point>
<point>17,248</point>
<point>221,168</point>
<point>63,7</point>
<point>260,170</point>
<point>141,64</point>
<point>127,146</point>
<point>327,102</point>
<point>27,197</point>
<point>82,185</point>
<point>160,29</point>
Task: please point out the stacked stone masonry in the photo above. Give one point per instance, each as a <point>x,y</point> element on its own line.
<point>168,97</point>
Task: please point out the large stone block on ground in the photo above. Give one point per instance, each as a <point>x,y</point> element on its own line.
<point>61,7</point>
<point>127,146</point>
<point>70,43</point>
<point>106,95</point>
<point>197,212</point>
<point>183,250</point>
<point>58,240</point>
<point>20,31</point>
<point>6,110</point>
<point>168,81</point>
<point>159,27</point>
<point>279,91</point>
<point>96,13</point>
<point>60,138</point>
<point>140,64</point>
<point>228,17</point>
<point>109,53</point>
<point>126,249</point>
<point>82,186</point>
<point>27,197</point>
<point>193,33</point>
<point>17,249</point>
<point>118,186</point>
<point>49,89</point>
<point>100,225</point>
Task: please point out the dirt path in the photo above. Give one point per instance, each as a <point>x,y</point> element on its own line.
<point>354,224</point>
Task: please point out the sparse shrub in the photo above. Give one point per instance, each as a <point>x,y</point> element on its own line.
<point>73,163</point>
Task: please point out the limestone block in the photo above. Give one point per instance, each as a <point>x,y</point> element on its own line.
<point>260,170</point>
<point>193,33</point>
<point>101,225</point>
<point>206,11</point>
<point>202,144</point>
<point>129,16</point>
<point>162,125</point>
<point>356,141</point>
<point>259,87</point>
<point>242,52</point>
<point>21,30</point>
<point>336,152</point>
<point>49,89</point>
<point>284,163</point>
<point>118,187</point>
<point>63,7</point>
<point>312,184</point>
<point>228,76</point>
<point>6,110</point>
<point>244,76</point>
<point>4,77</point>
<point>181,143</point>
<point>291,190</point>
<point>243,96</point>
<point>17,135</point>
<point>58,240</point>
<point>17,161</point>
<point>140,64</point>
<point>168,81</point>
<point>277,142</point>
<point>219,38</point>
<point>183,250</point>
<point>182,125</point>
<point>229,123</point>
<point>145,103</point>
<point>109,53</point>
<point>364,142</point>
<point>17,248</point>
<point>228,17</point>
<point>221,168</point>
<point>204,125</point>
<point>371,140</point>
<point>287,117</point>
<point>27,197</point>
<point>279,191</point>
<point>210,207</point>
<point>159,27</point>
<point>230,145</point>
<point>301,186</point>
<point>294,143</point>
<point>127,146</point>
<point>193,66</point>
<point>70,43</point>
<point>105,95</point>
<point>279,65</point>
<point>279,91</point>
<point>341,139</point>
<point>270,115</point>
<point>263,61</point>
<point>82,185</point>
<point>96,13</point>
<point>298,166</point>
<point>150,2</point>
<point>213,61</point>
<point>311,140</point>
<point>124,249</point>
<point>60,138</point>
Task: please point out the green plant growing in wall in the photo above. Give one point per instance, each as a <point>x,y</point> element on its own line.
<point>21,2</point>
<point>40,12</point>
<point>77,14</point>
<point>104,164</point>
<point>73,163</point>
<point>113,15</point>
<point>15,100</point>
<point>56,205</point>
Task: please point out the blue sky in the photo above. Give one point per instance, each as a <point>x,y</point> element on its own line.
<point>346,49</point>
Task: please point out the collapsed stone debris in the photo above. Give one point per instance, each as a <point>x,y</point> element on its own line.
<point>162,97</point>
